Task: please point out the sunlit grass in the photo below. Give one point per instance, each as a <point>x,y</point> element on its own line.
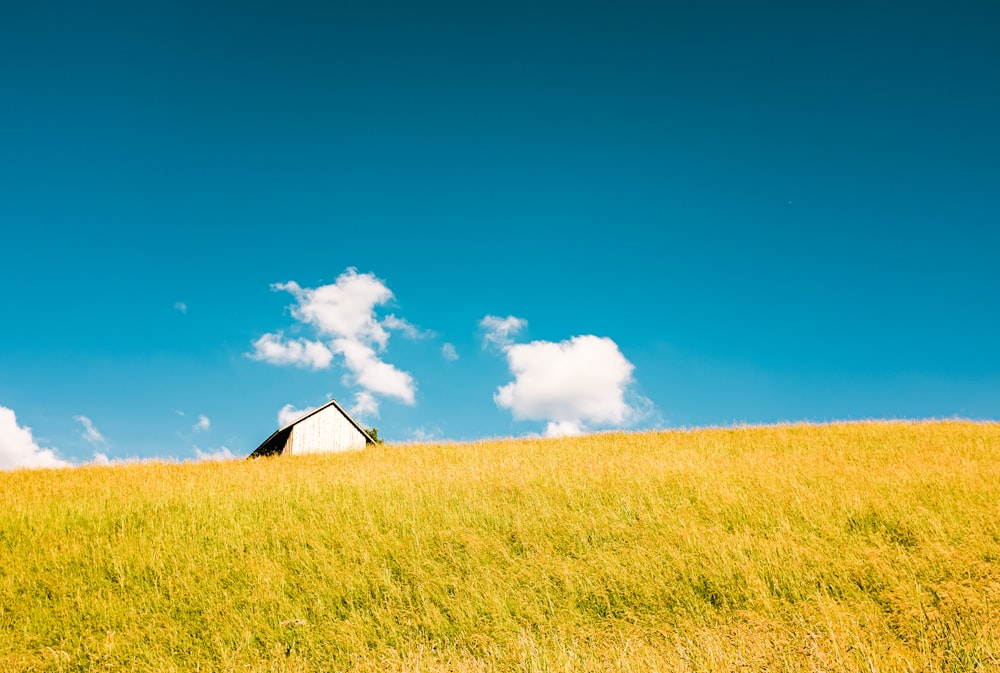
<point>852,547</point>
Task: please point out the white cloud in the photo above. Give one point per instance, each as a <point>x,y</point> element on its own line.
<point>425,434</point>
<point>365,405</point>
<point>103,460</point>
<point>563,429</point>
<point>372,373</point>
<point>344,309</point>
<point>500,332</point>
<point>221,453</point>
<point>276,350</point>
<point>449,353</point>
<point>90,433</point>
<point>204,423</point>
<point>408,329</point>
<point>181,306</point>
<point>343,317</point>
<point>571,384</point>
<point>288,413</point>
<point>19,449</point>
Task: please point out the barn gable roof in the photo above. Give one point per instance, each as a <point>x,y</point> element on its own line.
<point>276,442</point>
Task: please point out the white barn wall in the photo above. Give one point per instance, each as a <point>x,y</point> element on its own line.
<point>323,432</point>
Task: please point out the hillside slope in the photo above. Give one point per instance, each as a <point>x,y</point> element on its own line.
<point>848,547</point>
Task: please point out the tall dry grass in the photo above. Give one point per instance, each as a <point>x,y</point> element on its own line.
<point>851,547</point>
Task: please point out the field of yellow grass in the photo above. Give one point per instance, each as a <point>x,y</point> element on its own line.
<point>847,547</point>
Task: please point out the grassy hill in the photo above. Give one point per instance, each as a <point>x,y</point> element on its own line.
<point>850,547</point>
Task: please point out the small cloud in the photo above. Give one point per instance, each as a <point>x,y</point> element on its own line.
<point>221,453</point>
<point>203,423</point>
<point>500,332</point>
<point>408,329</point>
<point>104,460</point>
<point>90,433</point>
<point>18,447</point>
<point>181,307</point>
<point>563,429</point>
<point>571,385</point>
<point>365,405</point>
<point>449,353</point>
<point>276,350</point>
<point>288,413</point>
<point>425,434</point>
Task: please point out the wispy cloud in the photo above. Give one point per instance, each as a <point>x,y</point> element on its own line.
<point>203,424</point>
<point>342,316</point>
<point>91,434</point>
<point>288,413</point>
<point>425,434</point>
<point>449,353</point>
<point>365,406</point>
<point>500,332</point>
<point>104,460</point>
<point>18,447</point>
<point>408,329</point>
<point>221,453</point>
<point>181,307</point>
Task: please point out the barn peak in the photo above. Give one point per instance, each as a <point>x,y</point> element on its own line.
<point>325,429</point>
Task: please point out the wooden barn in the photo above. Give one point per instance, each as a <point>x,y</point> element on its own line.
<point>324,430</point>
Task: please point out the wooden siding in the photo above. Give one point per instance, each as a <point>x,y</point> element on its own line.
<point>323,432</point>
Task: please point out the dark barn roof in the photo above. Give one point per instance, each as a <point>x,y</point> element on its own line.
<point>275,444</point>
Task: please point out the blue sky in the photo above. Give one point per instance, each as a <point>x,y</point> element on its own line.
<point>697,213</point>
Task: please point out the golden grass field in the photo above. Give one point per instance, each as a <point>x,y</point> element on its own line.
<point>846,547</point>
